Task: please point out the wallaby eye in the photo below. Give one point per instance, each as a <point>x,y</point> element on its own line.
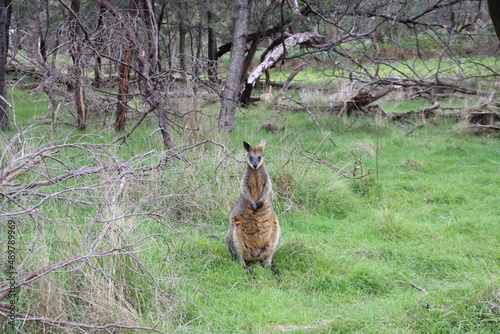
<point>259,158</point>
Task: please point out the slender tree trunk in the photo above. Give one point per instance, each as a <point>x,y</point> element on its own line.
<point>121,108</point>
<point>33,28</point>
<point>212,46</point>
<point>148,89</point>
<point>76,54</point>
<point>153,36</point>
<point>182,47</point>
<point>99,42</point>
<point>248,60</point>
<point>5,17</point>
<point>494,8</point>
<point>229,95</point>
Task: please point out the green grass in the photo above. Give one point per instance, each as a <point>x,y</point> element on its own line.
<point>411,248</point>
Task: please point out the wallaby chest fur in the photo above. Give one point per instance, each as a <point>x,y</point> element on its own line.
<point>253,231</point>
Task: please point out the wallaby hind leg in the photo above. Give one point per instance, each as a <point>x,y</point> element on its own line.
<point>234,244</point>
<point>269,259</point>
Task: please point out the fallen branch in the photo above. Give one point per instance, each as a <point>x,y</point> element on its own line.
<point>419,288</point>
<point>13,172</point>
<point>425,113</point>
<point>362,99</point>
<point>35,275</point>
<point>485,128</point>
<point>64,324</point>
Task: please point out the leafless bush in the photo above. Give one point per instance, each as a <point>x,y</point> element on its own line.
<point>92,231</point>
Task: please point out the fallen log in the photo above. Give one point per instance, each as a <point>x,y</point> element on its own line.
<point>425,113</point>
<point>361,100</point>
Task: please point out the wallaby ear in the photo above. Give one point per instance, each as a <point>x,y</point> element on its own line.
<point>246,146</point>
<point>262,144</point>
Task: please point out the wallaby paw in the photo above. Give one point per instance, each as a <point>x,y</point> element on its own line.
<point>275,271</point>
<point>250,272</point>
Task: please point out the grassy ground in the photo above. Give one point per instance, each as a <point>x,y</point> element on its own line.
<point>412,251</point>
<point>410,248</point>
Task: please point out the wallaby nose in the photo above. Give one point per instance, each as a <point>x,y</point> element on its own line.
<point>255,166</point>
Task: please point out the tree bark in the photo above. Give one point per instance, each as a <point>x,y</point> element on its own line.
<point>182,43</point>
<point>152,27</point>
<point>278,52</point>
<point>494,9</point>
<point>98,41</point>
<point>212,47</point>
<point>76,54</point>
<point>269,32</point>
<point>5,17</point>
<point>121,108</point>
<point>229,95</point>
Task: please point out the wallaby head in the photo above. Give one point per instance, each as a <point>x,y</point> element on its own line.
<point>255,157</point>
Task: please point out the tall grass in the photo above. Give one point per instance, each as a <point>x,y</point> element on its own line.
<point>410,248</point>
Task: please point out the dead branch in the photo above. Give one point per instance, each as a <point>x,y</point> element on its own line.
<point>134,127</point>
<point>292,75</point>
<point>13,172</point>
<point>361,100</point>
<point>419,288</point>
<point>33,276</point>
<point>425,87</point>
<point>312,39</point>
<point>425,113</point>
<point>123,167</point>
<point>66,324</point>
<point>313,156</point>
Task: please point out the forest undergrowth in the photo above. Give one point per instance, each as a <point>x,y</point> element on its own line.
<point>386,227</point>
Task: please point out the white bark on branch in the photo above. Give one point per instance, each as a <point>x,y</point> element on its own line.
<point>310,38</point>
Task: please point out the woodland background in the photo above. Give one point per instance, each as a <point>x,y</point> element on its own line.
<point>121,124</point>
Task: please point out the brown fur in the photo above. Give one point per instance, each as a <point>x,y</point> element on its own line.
<point>253,232</point>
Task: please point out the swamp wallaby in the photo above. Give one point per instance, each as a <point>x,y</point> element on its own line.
<point>254,232</point>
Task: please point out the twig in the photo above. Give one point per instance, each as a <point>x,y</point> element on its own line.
<point>61,323</point>
<point>419,288</point>
<point>342,172</point>
<point>135,126</point>
<point>33,276</point>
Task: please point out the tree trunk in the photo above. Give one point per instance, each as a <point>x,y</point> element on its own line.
<point>76,54</point>
<point>121,108</point>
<point>182,45</point>
<point>248,60</point>
<point>34,32</point>
<point>5,17</point>
<point>229,95</point>
<point>98,41</point>
<point>212,47</point>
<point>159,23</point>
<point>494,8</point>
<point>147,86</point>
<point>153,36</point>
